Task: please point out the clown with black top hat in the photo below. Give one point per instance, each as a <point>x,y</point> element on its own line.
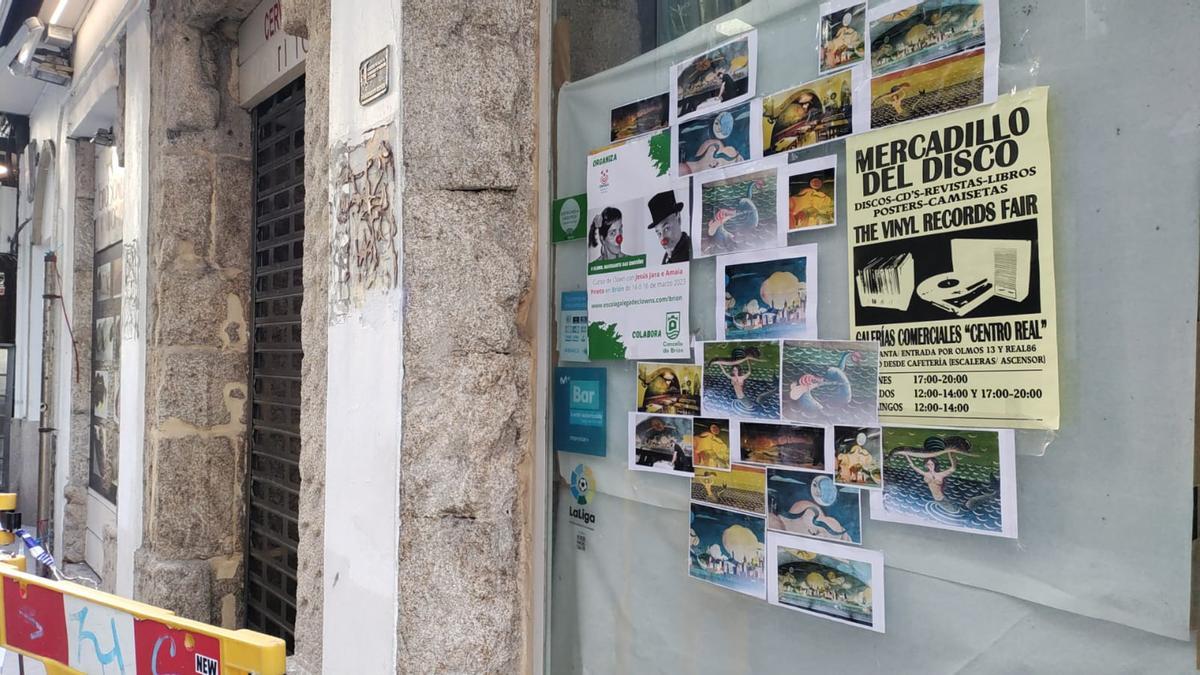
<point>667,223</point>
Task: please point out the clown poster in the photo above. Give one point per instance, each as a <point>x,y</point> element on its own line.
<point>638,250</point>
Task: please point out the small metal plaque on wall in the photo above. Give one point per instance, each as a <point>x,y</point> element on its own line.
<point>374,76</point>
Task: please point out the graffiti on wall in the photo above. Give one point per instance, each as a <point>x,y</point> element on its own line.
<point>365,255</point>
<point>130,301</point>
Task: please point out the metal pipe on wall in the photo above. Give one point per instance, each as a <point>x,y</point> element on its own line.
<point>46,430</point>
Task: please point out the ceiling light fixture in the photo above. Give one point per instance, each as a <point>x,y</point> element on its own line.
<point>58,12</point>
<point>42,52</point>
<point>104,137</point>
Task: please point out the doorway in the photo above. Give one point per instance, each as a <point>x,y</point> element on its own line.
<point>278,291</point>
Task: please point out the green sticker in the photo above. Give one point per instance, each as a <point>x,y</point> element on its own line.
<point>566,220</point>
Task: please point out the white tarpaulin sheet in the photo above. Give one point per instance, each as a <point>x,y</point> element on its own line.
<point>1100,577</point>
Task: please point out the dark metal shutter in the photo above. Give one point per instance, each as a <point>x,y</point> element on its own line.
<point>274,480</point>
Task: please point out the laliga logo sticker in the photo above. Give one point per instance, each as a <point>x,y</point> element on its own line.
<point>583,490</point>
<point>583,485</point>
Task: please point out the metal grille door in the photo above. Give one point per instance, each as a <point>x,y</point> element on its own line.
<point>274,481</point>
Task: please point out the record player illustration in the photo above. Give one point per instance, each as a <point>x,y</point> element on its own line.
<point>983,268</point>
<point>955,293</point>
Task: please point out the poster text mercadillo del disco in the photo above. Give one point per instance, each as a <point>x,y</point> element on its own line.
<point>952,265</point>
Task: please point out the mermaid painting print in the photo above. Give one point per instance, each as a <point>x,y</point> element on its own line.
<point>950,479</point>
<point>741,379</point>
<point>831,382</point>
<point>719,139</point>
<point>736,209</point>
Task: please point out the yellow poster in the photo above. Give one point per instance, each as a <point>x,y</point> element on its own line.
<point>952,265</point>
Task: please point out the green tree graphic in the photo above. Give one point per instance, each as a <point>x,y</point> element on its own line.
<point>660,151</point>
<point>604,342</point>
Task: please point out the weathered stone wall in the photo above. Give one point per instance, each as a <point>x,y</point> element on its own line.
<point>198,304</point>
<point>75,493</point>
<point>469,125</point>
<point>310,19</point>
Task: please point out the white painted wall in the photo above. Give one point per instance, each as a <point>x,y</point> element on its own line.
<point>59,114</point>
<point>43,125</point>
<point>99,28</point>
<point>60,224</point>
<point>363,424</point>
<point>70,366</point>
<point>133,350</point>
<point>28,361</point>
<point>268,58</point>
<point>27,368</point>
<point>45,122</point>
<point>8,214</point>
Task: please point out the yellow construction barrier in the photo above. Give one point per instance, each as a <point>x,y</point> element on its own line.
<point>75,629</point>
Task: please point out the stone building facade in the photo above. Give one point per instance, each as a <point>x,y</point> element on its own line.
<point>281,360</point>
<point>407,538</point>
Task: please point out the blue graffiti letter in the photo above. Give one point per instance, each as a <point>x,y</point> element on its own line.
<point>27,614</point>
<point>107,657</point>
<point>154,655</point>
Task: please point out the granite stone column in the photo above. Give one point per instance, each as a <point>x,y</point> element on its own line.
<point>309,19</point>
<point>198,292</point>
<point>75,492</point>
<point>469,127</point>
